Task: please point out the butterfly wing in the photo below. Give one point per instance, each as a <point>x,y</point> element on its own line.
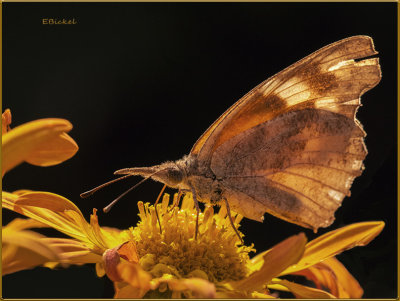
<point>327,79</point>
<point>298,166</point>
<point>292,146</point>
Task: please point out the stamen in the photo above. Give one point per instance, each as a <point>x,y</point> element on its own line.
<point>216,245</point>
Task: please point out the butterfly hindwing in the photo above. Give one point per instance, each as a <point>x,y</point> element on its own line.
<point>298,166</point>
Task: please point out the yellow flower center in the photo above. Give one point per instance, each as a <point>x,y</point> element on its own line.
<point>215,255</point>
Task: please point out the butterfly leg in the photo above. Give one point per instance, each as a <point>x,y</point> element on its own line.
<point>196,203</point>
<point>228,210</point>
<point>178,199</point>
<point>155,206</point>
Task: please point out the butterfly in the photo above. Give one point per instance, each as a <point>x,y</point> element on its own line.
<point>290,147</point>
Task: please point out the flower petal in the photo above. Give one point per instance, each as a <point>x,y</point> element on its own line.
<point>63,215</point>
<point>100,271</point>
<point>25,249</point>
<point>21,191</point>
<point>128,252</point>
<point>331,274</point>
<point>47,200</point>
<point>73,251</point>
<point>5,121</point>
<point>126,291</point>
<point>277,259</point>
<point>199,288</point>
<point>138,281</point>
<point>21,224</point>
<point>27,239</point>
<point>348,285</point>
<point>335,242</point>
<point>57,219</point>
<point>190,287</point>
<point>230,293</point>
<point>275,286</point>
<point>23,140</point>
<point>257,295</point>
<point>305,292</point>
<point>225,291</point>
<point>53,152</point>
<point>102,238</point>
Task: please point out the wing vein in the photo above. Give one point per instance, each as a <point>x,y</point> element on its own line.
<point>263,147</point>
<point>338,57</point>
<point>294,94</point>
<point>278,184</point>
<point>330,167</point>
<point>295,191</point>
<point>314,180</point>
<point>320,60</point>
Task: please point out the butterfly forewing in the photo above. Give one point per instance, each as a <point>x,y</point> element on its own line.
<point>327,79</point>
<point>292,146</point>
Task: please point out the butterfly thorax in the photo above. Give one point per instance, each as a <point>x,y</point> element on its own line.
<point>200,180</point>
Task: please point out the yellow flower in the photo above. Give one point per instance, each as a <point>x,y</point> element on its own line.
<point>162,259</point>
<point>42,142</point>
<point>215,265</point>
<point>143,262</point>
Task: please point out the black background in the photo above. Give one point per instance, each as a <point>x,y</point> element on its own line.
<point>141,82</point>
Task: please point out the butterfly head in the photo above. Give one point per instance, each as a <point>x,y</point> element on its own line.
<point>169,173</point>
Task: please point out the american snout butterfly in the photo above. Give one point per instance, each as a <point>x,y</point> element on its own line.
<point>291,147</point>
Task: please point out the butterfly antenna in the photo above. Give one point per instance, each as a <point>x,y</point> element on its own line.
<point>92,191</point>
<point>109,206</point>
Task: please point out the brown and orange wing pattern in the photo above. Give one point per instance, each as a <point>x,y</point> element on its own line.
<point>327,79</point>
<point>292,146</point>
<point>298,166</point>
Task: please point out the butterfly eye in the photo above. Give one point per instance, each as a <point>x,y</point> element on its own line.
<point>174,176</point>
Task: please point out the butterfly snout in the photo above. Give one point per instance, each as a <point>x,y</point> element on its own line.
<point>167,173</point>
